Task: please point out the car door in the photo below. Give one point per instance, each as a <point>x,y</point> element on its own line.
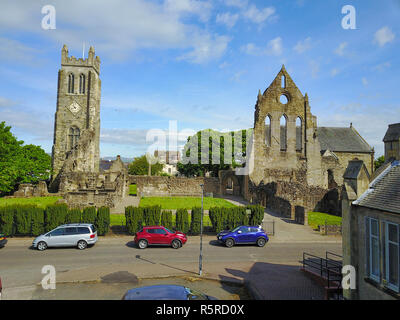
<point>71,236</point>
<point>163,234</point>
<point>242,235</point>
<point>253,235</point>
<point>55,238</point>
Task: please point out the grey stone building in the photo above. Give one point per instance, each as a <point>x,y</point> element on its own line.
<point>298,166</point>
<point>371,228</point>
<point>78,110</point>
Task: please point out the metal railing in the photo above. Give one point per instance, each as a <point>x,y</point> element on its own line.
<point>328,268</point>
<point>269,227</point>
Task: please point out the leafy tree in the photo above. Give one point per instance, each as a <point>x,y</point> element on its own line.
<point>378,162</point>
<point>20,164</point>
<point>215,140</point>
<point>140,166</point>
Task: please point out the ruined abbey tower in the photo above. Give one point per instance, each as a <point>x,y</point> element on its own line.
<point>77,115</point>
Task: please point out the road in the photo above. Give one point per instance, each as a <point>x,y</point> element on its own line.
<point>20,266</point>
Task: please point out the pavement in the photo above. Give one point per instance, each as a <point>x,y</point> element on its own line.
<point>271,272</point>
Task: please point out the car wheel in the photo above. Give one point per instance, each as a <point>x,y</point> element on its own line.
<point>176,244</point>
<point>82,244</point>
<point>42,246</point>
<point>229,243</point>
<point>142,244</point>
<point>261,242</point>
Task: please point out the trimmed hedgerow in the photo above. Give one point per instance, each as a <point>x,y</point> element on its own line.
<point>134,219</point>
<point>73,216</point>
<point>54,216</point>
<point>195,223</point>
<point>7,220</point>
<point>166,219</point>
<point>103,220</point>
<point>182,220</point>
<point>89,215</point>
<point>152,215</point>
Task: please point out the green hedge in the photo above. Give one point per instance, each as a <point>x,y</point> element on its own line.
<point>229,218</point>
<point>73,216</point>
<point>103,220</point>
<point>134,219</point>
<point>182,220</point>
<point>166,219</point>
<point>30,220</point>
<point>195,223</point>
<point>89,215</point>
<point>54,216</point>
<point>152,215</point>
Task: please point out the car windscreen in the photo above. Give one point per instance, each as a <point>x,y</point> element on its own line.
<point>168,230</point>
<point>236,229</point>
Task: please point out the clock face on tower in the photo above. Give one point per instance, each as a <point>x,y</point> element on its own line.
<point>74,107</point>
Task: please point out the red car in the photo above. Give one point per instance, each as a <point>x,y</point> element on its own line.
<point>159,235</point>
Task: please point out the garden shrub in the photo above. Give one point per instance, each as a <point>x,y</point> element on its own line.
<point>152,215</point>
<point>54,216</point>
<point>166,219</point>
<point>73,216</point>
<point>257,214</point>
<point>7,220</point>
<point>23,219</point>
<point>195,224</point>
<point>182,220</point>
<point>134,219</point>
<point>103,220</point>
<point>89,215</point>
<point>37,226</point>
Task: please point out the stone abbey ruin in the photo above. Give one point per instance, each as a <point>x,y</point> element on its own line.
<point>297,166</point>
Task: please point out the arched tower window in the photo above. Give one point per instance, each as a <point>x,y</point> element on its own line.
<point>268,131</point>
<point>283,132</point>
<point>299,134</point>
<point>73,136</point>
<point>82,83</point>
<point>71,83</point>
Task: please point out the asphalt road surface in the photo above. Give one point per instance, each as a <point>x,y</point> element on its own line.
<point>21,266</point>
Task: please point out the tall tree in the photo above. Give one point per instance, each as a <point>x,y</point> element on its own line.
<point>20,164</point>
<point>140,166</point>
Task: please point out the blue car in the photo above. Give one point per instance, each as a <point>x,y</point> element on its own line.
<point>243,235</point>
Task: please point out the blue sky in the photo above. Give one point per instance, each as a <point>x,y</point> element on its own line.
<point>201,63</point>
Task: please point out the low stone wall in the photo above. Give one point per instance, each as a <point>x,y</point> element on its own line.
<point>158,186</point>
<point>330,230</point>
<point>31,190</point>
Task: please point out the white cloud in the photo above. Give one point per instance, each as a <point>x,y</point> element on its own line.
<point>6,103</point>
<point>383,36</point>
<point>12,50</point>
<point>364,81</point>
<point>125,25</point>
<point>227,19</point>
<point>334,72</point>
<point>256,15</point>
<point>382,66</point>
<point>340,49</point>
<point>303,46</point>
<point>236,3</point>
<point>206,48</point>
<point>274,47</point>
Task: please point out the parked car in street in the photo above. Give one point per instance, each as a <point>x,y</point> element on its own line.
<point>159,235</point>
<point>3,240</point>
<point>243,235</point>
<point>165,292</point>
<point>68,235</point>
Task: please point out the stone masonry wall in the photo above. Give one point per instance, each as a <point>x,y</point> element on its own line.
<point>174,186</point>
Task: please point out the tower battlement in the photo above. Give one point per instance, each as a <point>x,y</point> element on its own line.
<point>91,61</point>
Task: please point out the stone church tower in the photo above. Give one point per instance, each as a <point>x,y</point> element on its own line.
<point>78,112</point>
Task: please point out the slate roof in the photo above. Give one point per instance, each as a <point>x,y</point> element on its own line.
<point>353,169</point>
<point>392,133</point>
<point>384,192</point>
<point>342,140</point>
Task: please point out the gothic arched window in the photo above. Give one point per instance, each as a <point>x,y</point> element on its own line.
<point>82,83</point>
<point>71,83</point>
<point>268,131</point>
<point>299,134</point>
<point>73,135</point>
<point>283,132</point>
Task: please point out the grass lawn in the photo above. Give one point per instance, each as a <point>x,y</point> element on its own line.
<point>133,189</point>
<point>39,201</point>
<point>318,218</point>
<point>184,202</point>
<point>119,220</point>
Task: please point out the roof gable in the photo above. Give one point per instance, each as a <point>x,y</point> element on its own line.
<point>339,139</point>
<point>392,133</point>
